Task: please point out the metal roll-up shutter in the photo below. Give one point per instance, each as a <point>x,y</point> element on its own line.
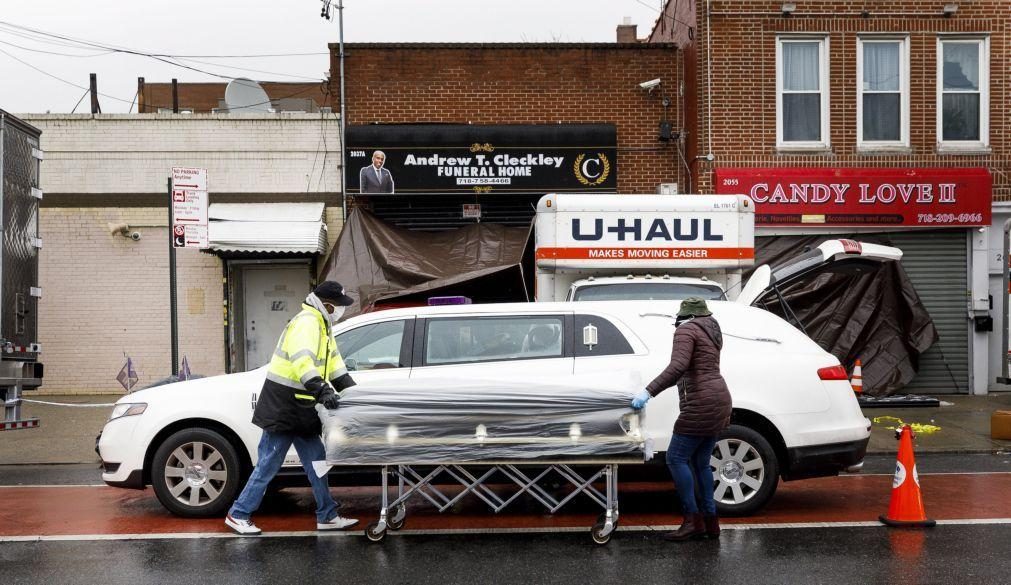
<point>937,264</point>
<point>443,212</point>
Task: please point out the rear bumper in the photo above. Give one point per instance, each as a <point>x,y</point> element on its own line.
<point>824,460</point>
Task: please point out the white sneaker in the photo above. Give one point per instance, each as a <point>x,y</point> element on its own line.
<point>337,523</point>
<point>242,526</point>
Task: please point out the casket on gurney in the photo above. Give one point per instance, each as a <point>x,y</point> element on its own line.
<point>455,421</point>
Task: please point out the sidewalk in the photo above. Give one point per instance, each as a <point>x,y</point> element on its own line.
<point>964,425</point>
<point>67,433</point>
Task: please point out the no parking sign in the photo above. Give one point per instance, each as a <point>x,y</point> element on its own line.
<point>189,207</point>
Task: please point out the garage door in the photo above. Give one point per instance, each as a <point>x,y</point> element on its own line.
<point>936,262</point>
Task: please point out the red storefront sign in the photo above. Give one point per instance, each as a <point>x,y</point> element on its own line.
<point>863,196</point>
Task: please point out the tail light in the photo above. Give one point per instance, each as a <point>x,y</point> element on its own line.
<point>833,373</point>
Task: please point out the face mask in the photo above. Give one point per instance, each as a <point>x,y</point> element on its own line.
<point>338,312</point>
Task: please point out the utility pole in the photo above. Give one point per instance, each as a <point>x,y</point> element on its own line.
<point>325,13</point>
<point>173,309</point>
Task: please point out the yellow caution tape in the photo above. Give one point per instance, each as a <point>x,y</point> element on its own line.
<point>918,428</point>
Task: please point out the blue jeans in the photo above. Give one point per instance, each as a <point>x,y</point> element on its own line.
<point>688,460</point>
<point>270,456</point>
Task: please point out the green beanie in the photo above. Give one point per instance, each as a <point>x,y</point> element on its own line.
<point>694,307</point>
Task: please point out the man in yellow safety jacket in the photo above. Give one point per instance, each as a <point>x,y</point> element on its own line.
<point>306,370</point>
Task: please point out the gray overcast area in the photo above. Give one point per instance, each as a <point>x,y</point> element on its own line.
<point>198,29</point>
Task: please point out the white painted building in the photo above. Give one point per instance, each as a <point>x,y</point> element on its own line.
<point>104,224</point>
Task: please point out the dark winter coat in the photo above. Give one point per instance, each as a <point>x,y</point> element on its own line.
<point>694,366</point>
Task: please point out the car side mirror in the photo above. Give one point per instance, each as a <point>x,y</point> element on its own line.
<point>351,364</point>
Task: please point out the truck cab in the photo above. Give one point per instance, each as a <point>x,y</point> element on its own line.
<point>630,287</point>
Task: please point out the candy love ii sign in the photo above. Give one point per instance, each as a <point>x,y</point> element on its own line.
<point>928,197</point>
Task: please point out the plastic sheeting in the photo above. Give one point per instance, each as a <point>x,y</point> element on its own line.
<point>443,421</point>
<point>381,264</point>
<point>875,315</point>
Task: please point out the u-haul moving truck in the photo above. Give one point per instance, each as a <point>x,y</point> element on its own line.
<point>630,242</point>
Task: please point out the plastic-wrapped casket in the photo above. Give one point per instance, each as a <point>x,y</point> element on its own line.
<point>453,421</point>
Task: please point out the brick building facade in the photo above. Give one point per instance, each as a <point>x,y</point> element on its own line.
<point>802,92</point>
<point>731,45</point>
<point>206,98</point>
<point>522,84</point>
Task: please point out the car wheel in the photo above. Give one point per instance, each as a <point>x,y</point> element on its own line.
<point>196,473</point>
<point>745,471</point>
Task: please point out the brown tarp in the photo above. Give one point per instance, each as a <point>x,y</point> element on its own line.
<point>872,314</point>
<point>381,264</point>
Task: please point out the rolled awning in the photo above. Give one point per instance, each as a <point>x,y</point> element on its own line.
<point>292,228</point>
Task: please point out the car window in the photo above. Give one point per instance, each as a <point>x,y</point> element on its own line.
<point>372,347</point>
<point>637,291</point>
<point>480,339</point>
<point>610,341</point>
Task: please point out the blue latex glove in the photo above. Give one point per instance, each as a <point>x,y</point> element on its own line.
<point>640,399</point>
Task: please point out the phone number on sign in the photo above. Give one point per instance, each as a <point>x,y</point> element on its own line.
<point>949,217</point>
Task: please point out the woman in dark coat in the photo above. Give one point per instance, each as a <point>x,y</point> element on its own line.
<point>705,406</point>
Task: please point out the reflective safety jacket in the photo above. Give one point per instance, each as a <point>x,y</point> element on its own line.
<point>305,355</point>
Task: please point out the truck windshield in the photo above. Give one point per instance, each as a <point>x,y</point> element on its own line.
<point>641,291</point>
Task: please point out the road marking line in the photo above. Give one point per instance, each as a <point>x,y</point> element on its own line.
<point>69,485</point>
<point>465,531</point>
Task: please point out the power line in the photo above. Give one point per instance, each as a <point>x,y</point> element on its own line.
<point>60,79</point>
<point>274,73</point>
<point>99,54</point>
<point>127,51</point>
<point>112,51</point>
<point>249,56</point>
<point>125,101</point>
<point>37,38</point>
<point>663,14</point>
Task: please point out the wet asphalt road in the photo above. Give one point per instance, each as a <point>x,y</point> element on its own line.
<point>950,553</point>
<point>974,554</point>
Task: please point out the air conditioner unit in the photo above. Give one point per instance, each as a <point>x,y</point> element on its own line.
<point>667,189</point>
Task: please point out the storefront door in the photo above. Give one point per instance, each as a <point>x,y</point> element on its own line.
<point>272,294</point>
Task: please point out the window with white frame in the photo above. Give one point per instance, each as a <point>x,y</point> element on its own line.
<point>963,92</point>
<point>882,92</point>
<point>802,92</point>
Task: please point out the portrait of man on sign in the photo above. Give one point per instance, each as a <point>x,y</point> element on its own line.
<point>375,178</point>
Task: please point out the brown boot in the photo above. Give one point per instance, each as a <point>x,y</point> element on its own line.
<point>712,526</point>
<point>692,527</point>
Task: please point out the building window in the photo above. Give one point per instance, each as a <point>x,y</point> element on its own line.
<point>963,93</point>
<point>802,93</point>
<point>882,92</point>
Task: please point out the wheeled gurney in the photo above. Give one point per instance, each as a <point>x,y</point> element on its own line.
<point>494,440</point>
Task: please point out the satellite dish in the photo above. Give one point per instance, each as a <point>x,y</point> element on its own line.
<point>245,95</point>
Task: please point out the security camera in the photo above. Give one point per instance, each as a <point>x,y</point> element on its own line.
<point>651,84</point>
<point>135,236</point>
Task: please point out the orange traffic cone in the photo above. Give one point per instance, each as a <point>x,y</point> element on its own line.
<point>858,379</point>
<point>906,507</point>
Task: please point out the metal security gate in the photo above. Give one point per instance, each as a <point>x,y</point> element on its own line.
<point>443,212</point>
<point>937,264</point>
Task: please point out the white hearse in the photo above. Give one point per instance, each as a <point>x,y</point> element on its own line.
<point>795,415</point>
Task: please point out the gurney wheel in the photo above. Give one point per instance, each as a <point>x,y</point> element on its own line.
<point>396,521</point>
<point>374,533</point>
<point>598,534</point>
